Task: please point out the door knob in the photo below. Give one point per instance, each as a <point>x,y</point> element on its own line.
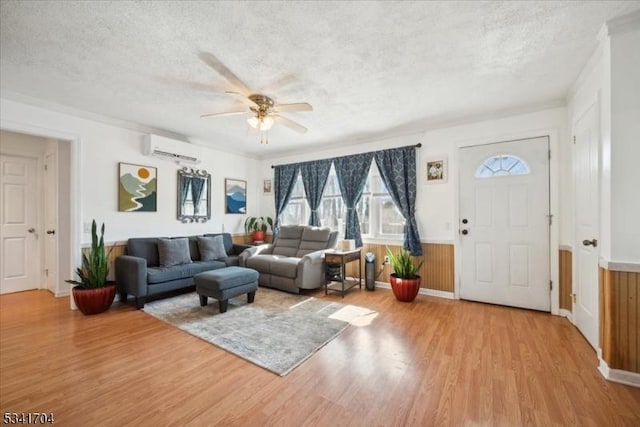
<point>465,220</point>
<point>31,230</point>
<point>51,231</point>
<point>593,243</point>
<point>465,232</point>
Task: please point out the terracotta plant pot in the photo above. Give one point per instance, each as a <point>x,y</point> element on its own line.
<point>258,236</point>
<point>94,301</point>
<point>405,290</point>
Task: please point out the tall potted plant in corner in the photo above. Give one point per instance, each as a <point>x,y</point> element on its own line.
<point>92,293</point>
<point>257,226</point>
<point>405,281</point>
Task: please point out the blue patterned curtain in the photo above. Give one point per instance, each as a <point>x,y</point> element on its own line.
<point>314,178</point>
<point>398,171</point>
<point>352,172</point>
<point>284,180</point>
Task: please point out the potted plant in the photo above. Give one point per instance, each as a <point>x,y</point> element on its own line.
<point>92,293</point>
<point>405,281</point>
<point>257,226</point>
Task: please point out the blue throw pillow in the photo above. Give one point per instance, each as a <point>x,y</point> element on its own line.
<point>174,252</point>
<point>211,248</point>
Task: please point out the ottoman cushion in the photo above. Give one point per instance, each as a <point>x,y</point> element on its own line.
<point>225,278</point>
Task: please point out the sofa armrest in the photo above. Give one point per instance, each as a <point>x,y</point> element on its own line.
<point>310,273</point>
<point>254,250</point>
<point>237,249</point>
<point>131,275</point>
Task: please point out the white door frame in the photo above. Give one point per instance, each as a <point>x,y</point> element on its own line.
<point>74,184</point>
<point>554,202</point>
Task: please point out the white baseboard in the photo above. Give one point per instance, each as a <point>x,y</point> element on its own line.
<point>422,291</point>
<point>62,294</point>
<point>617,375</point>
<point>566,313</point>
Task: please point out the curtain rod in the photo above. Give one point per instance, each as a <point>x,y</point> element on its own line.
<point>418,145</point>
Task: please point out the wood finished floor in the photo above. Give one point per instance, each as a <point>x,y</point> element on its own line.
<point>433,362</point>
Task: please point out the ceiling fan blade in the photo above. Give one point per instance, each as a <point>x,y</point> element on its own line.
<point>298,106</point>
<point>213,62</point>
<point>289,123</point>
<point>228,113</point>
<point>242,98</point>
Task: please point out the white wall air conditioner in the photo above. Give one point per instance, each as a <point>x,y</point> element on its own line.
<point>171,149</point>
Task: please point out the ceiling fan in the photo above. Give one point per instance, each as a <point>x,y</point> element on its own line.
<point>264,112</point>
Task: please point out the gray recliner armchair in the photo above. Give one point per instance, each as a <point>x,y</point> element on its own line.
<point>294,261</point>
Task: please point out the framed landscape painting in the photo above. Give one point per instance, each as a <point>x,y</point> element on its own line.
<point>235,196</point>
<point>137,188</point>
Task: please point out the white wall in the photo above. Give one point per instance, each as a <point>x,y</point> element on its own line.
<point>436,203</point>
<point>97,148</point>
<point>625,146</point>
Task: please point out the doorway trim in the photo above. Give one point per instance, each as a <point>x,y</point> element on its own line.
<point>74,184</point>
<point>554,202</point>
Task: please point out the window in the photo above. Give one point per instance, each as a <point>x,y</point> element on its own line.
<point>502,165</point>
<point>379,217</point>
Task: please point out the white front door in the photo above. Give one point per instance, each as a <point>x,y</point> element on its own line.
<point>51,221</point>
<point>504,223</point>
<point>18,219</point>
<point>585,283</point>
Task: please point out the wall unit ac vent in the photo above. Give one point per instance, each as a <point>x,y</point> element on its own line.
<point>166,148</point>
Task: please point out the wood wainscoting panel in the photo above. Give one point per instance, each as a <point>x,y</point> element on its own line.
<point>437,269</point>
<point>566,288</point>
<point>620,319</point>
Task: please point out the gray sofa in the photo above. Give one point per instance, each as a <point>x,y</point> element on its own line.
<point>294,261</point>
<point>138,273</point>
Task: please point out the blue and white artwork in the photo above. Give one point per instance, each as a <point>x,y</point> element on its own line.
<point>235,193</point>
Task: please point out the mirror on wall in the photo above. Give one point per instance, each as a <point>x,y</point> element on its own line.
<point>194,195</point>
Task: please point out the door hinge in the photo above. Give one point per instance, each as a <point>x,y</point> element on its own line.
<point>550,216</point>
<point>550,285</point>
<point>549,154</point>
<point>574,139</point>
<point>46,272</point>
<point>46,166</point>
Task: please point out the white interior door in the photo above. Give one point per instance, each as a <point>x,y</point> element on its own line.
<point>20,250</point>
<point>585,280</point>
<point>504,223</point>
<point>51,221</point>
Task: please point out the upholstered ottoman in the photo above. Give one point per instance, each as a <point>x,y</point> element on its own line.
<point>226,283</point>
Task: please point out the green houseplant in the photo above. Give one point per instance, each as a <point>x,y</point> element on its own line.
<point>92,293</point>
<point>257,226</point>
<point>405,281</point>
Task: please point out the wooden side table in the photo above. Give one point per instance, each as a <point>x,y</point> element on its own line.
<point>335,263</point>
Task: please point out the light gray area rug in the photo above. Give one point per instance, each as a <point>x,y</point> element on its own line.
<point>278,331</point>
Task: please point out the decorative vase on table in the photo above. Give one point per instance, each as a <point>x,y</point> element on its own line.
<point>405,281</point>
<point>92,293</point>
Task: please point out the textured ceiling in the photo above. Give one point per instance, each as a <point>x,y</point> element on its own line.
<point>368,68</point>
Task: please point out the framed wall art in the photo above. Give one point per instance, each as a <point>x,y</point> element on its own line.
<point>266,186</point>
<point>436,170</point>
<point>137,188</point>
<point>235,196</point>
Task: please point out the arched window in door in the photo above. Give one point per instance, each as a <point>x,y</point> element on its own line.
<point>502,165</point>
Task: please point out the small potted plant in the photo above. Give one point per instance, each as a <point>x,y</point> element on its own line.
<point>92,293</point>
<point>257,227</point>
<point>405,281</point>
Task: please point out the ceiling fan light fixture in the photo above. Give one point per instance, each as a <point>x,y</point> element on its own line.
<point>266,123</point>
<point>253,122</point>
<point>263,123</point>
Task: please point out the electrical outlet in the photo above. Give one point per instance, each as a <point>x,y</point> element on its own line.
<point>86,227</point>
